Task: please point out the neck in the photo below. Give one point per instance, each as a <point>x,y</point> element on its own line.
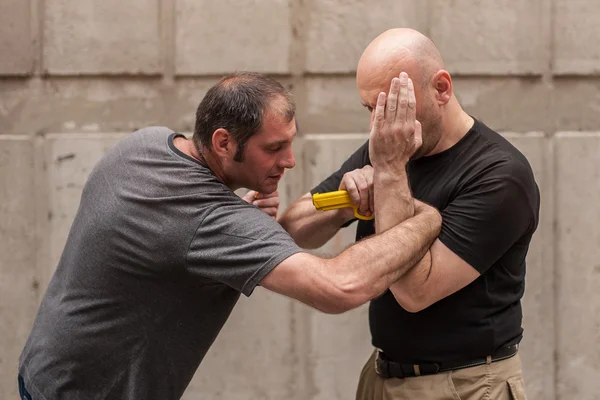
<point>455,125</point>
<point>205,157</point>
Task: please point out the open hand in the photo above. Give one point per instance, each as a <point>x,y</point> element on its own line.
<point>396,133</point>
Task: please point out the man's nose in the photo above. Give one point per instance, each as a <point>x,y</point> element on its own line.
<point>288,161</point>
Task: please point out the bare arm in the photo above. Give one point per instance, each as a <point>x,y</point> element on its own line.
<point>309,227</point>
<point>359,274</point>
<point>369,267</point>
<point>439,272</point>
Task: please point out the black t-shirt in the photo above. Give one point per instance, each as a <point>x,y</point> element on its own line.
<point>489,201</point>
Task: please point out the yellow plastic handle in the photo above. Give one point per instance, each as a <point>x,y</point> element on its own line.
<point>334,200</point>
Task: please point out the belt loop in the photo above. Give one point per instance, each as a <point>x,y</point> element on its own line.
<point>488,360</point>
<point>417,369</point>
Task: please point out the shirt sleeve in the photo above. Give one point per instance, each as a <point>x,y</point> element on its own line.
<point>489,217</point>
<point>237,244</point>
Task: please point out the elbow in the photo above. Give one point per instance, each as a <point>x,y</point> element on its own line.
<point>344,294</point>
<point>411,302</point>
<point>351,292</point>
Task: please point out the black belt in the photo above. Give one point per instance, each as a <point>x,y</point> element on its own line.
<point>388,368</point>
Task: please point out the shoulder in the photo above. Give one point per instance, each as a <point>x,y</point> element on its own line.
<point>498,158</point>
<point>231,215</point>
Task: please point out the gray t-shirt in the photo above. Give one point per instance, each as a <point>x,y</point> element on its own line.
<point>155,260</point>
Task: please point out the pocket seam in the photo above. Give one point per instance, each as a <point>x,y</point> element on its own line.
<point>452,387</point>
<point>514,384</point>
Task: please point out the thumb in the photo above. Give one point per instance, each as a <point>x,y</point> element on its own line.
<point>250,196</point>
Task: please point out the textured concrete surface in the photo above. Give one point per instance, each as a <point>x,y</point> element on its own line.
<point>16,44</point>
<point>95,37</point>
<point>18,278</point>
<point>338,345</point>
<point>578,266</point>
<point>333,105</point>
<point>255,355</point>
<point>539,299</point>
<point>488,37</point>
<point>339,30</point>
<point>575,35</point>
<point>78,69</point>
<point>210,39</point>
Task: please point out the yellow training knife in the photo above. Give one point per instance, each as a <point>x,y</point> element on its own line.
<point>334,200</point>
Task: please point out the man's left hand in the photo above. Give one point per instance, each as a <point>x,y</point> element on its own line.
<point>269,203</point>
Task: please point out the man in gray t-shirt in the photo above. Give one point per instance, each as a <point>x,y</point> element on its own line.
<point>161,248</point>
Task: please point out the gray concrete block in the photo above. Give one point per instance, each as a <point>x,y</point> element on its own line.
<point>339,30</point>
<point>217,37</point>
<point>334,106</point>
<point>485,37</point>
<point>500,103</point>
<point>107,37</point>
<point>539,300</point>
<point>16,45</point>
<point>576,30</point>
<point>18,283</point>
<point>578,269</point>
<point>69,160</point>
<point>254,356</point>
<point>338,346</point>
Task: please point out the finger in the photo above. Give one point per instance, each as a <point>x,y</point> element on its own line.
<point>270,211</point>
<point>418,135</point>
<point>265,203</point>
<point>369,175</point>
<point>403,98</point>
<point>411,112</point>
<point>379,117</point>
<point>363,190</point>
<point>352,189</point>
<point>392,101</point>
<point>250,196</point>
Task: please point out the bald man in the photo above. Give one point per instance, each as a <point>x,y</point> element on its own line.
<point>450,326</point>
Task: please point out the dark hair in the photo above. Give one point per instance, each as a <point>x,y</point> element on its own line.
<point>238,104</point>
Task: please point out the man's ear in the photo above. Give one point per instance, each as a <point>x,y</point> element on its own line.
<point>223,144</point>
<point>442,82</point>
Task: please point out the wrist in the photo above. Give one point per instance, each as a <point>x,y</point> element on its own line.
<point>343,215</point>
<point>389,176</point>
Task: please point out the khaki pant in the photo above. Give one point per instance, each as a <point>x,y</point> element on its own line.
<point>500,380</point>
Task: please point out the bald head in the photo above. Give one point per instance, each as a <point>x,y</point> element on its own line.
<point>406,50</point>
<point>398,50</point>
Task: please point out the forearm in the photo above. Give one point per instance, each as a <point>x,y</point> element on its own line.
<point>408,288</point>
<point>393,200</point>
<point>309,227</point>
<point>377,262</point>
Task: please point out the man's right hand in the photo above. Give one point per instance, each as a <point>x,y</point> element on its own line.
<point>395,133</point>
<point>359,185</point>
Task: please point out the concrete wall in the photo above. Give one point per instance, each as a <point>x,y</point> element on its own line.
<point>77,76</point>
